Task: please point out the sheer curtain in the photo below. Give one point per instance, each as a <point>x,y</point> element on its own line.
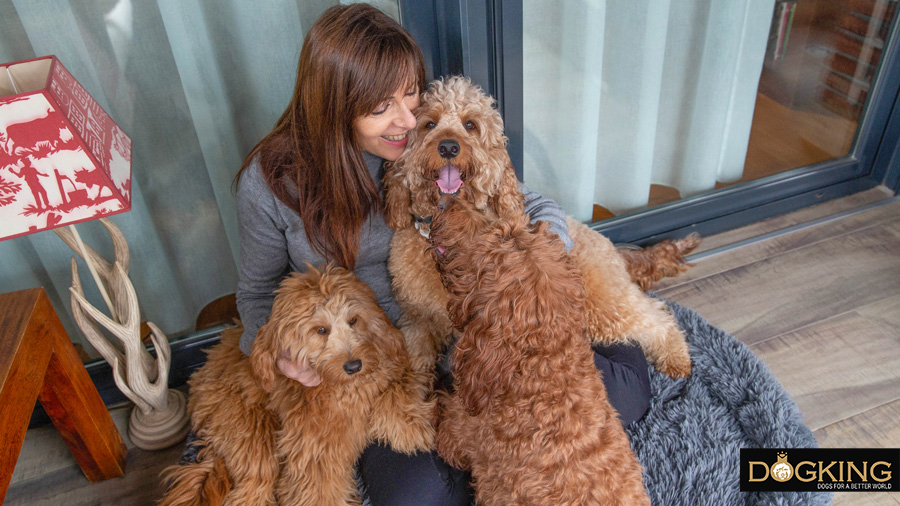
<point>195,84</point>
<point>620,94</point>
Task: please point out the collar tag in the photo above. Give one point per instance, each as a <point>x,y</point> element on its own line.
<point>421,229</point>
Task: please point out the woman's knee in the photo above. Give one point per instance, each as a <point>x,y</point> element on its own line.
<point>423,479</point>
<point>626,377</point>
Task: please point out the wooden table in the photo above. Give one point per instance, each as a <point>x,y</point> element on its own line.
<point>38,361</point>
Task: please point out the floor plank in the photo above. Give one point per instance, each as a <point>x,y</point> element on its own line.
<point>47,474</point>
<point>780,294</point>
<point>875,428</point>
<point>790,219</point>
<point>865,499</point>
<point>886,311</point>
<point>140,485</point>
<point>47,451</point>
<point>836,368</point>
<point>781,244</point>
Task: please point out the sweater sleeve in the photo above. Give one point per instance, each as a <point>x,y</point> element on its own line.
<point>264,253</point>
<point>543,209</point>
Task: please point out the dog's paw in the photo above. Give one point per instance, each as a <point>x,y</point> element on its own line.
<point>412,433</point>
<point>401,417</point>
<point>675,365</point>
<point>419,437</point>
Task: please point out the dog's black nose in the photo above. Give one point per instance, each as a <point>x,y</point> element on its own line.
<point>352,366</point>
<point>448,148</point>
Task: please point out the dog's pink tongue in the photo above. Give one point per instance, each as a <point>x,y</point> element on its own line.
<point>448,180</point>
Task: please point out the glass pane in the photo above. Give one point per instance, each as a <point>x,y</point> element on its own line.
<point>820,62</point>
<point>630,104</point>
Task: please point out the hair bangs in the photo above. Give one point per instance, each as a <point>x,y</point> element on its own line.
<point>396,65</point>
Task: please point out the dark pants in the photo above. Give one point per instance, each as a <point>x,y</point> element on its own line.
<point>424,479</point>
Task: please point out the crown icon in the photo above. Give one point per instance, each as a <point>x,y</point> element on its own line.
<point>782,456</point>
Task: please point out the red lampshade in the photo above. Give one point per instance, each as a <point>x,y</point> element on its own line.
<point>63,160</point>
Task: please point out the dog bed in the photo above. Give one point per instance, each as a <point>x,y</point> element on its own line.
<point>690,439</point>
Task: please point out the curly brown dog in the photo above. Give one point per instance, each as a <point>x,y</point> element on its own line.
<point>458,147</point>
<point>530,416</point>
<point>272,440</point>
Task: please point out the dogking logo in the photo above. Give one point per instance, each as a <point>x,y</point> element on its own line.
<point>781,470</point>
<point>811,469</point>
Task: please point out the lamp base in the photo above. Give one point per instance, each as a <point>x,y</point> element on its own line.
<point>160,429</point>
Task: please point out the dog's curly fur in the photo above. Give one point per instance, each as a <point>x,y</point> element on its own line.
<point>271,440</point>
<point>530,415</point>
<point>615,309</point>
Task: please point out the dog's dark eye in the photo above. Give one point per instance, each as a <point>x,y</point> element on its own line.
<point>470,125</point>
<point>322,330</point>
<point>352,321</point>
<point>430,125</point>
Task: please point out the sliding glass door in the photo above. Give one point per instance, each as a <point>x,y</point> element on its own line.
<point>649,119</point>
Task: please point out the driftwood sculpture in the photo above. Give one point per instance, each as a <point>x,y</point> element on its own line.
<point>159,419</point>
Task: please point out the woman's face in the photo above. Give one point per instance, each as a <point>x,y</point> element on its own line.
<point>383,131</point>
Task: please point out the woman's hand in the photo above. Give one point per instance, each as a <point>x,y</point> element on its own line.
<point>301,371</point>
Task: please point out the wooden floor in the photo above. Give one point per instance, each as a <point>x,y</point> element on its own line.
<point>821,306</point>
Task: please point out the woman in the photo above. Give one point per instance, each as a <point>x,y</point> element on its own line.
<point>310,191</point>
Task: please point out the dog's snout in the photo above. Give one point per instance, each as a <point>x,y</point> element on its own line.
<point>445,201</point>
<point>448,148</point>
<point>352,366</point>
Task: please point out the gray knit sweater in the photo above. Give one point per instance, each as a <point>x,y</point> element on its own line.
<point>273,244</point>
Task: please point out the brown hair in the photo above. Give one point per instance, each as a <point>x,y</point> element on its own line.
<point>353,57</point>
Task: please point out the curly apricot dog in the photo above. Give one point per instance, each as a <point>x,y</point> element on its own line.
<point>458,147</point>
<point>530,416</point>
<point>272,440</point>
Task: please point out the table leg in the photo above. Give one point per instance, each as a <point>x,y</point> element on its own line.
<point>45,365</point>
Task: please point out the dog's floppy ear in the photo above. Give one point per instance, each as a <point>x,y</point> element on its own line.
<point>397,197</point>
<point>507,200</point>
<point>388,338</point>
<point>263,356</point>
<point>482,368</point>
